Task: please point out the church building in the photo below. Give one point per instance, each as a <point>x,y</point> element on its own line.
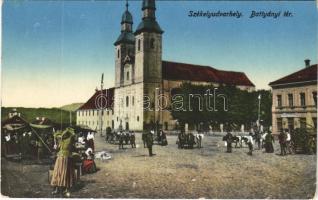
<point>141,75</point>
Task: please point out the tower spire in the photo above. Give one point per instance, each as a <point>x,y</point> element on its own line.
<point>148,23</point>
<point>126,35</point>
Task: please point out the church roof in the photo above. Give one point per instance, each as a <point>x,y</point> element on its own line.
<point>190,72</point>
<point>306,74</point>
<point>98,100</point>
<point>148,4</point>
<point>125,37</point>
<point>148,25</point>
<point>127,18</point>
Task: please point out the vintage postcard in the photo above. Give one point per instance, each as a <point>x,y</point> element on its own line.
<point>159,99</point>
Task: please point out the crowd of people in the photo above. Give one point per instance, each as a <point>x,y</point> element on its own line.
<point>266,140</point>
<point>262,140</point>
<point>77,150</point>
<point>26,145</point>
<point>126,137</point>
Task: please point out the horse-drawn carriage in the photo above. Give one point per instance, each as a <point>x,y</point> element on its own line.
<point>187,141</point>
<point>120,137</point>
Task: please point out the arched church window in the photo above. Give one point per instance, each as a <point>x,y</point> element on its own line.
<point>118,53</point>
<point>127,101</point>
<point>127,75</point>
<point>133,100</point>
<point>139,45</point>
<point>152,43</point>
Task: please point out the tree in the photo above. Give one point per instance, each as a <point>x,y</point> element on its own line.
<point>210,105</point>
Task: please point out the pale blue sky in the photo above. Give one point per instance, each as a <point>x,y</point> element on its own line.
<point>53,52</point>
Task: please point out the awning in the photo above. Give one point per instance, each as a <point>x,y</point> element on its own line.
<point>40,126</point>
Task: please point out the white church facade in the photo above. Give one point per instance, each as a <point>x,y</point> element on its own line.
<point>141,76</point>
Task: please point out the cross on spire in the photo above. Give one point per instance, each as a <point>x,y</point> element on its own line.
<point>127,5</point>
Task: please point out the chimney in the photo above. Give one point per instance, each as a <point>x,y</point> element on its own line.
<point>307,63</point>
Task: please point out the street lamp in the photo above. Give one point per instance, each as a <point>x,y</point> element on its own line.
<point>259,111</point>
<point>155,103</point>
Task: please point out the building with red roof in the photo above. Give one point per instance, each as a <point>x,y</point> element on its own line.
<point>140,74</point>
<point>295,100</point>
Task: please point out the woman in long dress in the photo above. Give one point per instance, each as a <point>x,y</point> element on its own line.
<point>63,175</point>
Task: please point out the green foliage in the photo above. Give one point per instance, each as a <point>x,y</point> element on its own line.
<point>231,106</point>
<point>304,140</point>
<point>29,114</point>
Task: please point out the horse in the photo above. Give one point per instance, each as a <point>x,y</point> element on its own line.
<point>237,140</point>
<point>199,137</point>
<point>246,139</point>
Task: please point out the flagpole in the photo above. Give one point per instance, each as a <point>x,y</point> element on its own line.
<point>101,106</point>
<point>70,118</point>
<point>259,112</point>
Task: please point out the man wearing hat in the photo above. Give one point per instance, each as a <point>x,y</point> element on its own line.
<point>149,141</point>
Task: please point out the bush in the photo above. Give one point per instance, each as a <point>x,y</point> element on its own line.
<point>303,140</point>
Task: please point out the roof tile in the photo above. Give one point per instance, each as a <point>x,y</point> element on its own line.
<point>306,74</point>
<point>183,71</point>
<point>100,99</point>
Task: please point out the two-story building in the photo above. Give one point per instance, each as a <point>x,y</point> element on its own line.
<point>295,100</point>
<point>97,112</point>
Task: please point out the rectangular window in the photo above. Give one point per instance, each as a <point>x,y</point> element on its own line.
<point>279,124</point>
<point>314,96</point>
<point>302,99</point>
<point>314,119</point>
<point>290,100</point>
<point>302,123</point>
<point>93,112</point>
<point>291,124</point>
<point>138,45</point>
<point>279,100</point>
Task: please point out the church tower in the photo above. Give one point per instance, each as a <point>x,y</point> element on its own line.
<point>148,45</point>
<point>124,46</point>
<point>148,58</point>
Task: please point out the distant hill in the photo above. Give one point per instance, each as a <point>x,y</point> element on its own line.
<point>71,107</point>
<point>57,115</point>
